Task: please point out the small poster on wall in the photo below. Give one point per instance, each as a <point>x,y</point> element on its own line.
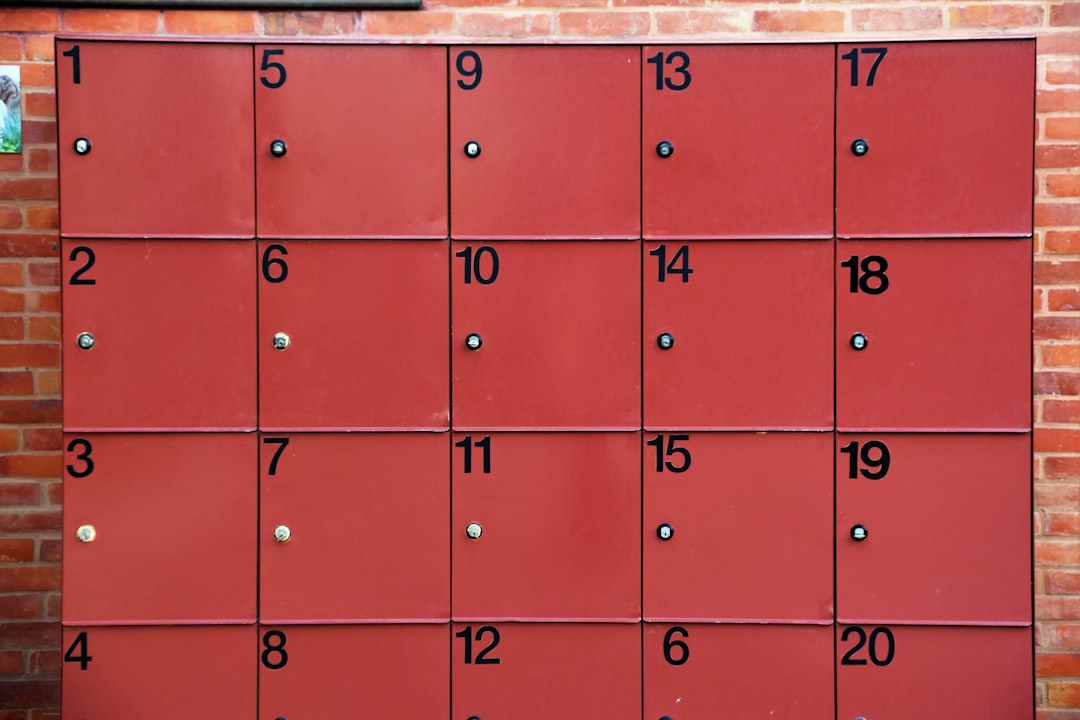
<point>10,110</point>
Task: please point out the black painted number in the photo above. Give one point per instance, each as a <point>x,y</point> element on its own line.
<point>679,646</point>
<point>83,445</point>
<point>469,66</point>
<point>679,264</point>
<point>275,269</point>
<point>867,275</point>
<point>879,656</point>
<point>672,450</point>
<point>874,454</point>
<point>81,646</point>
<point>482,656</point>
<point>853,58</point>
<point>76,70</point>
<point>475,264</point>
<point>278,68</point>
<point>274,656</point>
<point>282,443</point>
<point>466,443</point>
<point>77,276</point>
<point>680,65</point>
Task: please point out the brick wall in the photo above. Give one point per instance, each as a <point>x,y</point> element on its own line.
<point>30,466</point>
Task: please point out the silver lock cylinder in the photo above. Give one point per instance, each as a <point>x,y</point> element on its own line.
<point>473,531</point>
<point>282,533</point>
<point>474,341</point>
<point>82,146</point>
<point>85,341</point>
<point>665,341</point>
<point>86,533</point>
<point>859,341</point>
<point>665,531</point>
<point>860,147</point>
<point>472,149</point>
<point>859,533</point>
<point>278,148</point>
<point>281,341</point>
<point>665,149</point>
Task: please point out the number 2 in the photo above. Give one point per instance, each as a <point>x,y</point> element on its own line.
<point>482,656</point>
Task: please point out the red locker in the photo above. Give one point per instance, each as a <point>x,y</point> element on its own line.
<point>158,335</point>
<point>159,528</point>
<point>369,671</point>
<point>934,139</point>
<point>546,526</point>
<point>934,673</point>
<point>750,326</point>
<point>545,336</point>
<point>544,142</point>
<point>736,527</point>
<point>946,528</point>
<point>352,336</point>
<point>351,141</point>
<point>933,335</point>
<point>568,671</point>
<point>703,672</point>
<point>737,141</point>
<point>166,673</point>
<point>354,528</point>
<point>155,139</point>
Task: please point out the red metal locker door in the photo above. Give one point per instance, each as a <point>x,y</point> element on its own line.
<point>354,528</point>
<point>946,528</point>
<point>946,134</point>
<point>155,139</point>
<point>342,671</point>
<point>353,336</point>
<point>737,527</point>
<point>159,335</point>
<point>544,142</point>
<point>546,336</point>
<point>704,672</point>
<point>159,528</point>
<point>363,132</point>
<point>165,673</point>
<point>934,673</point>
<point>750,326</point>
<point>737,141</point>
<point>546,526</point>
<point>944,328</point>
<point>567,671</point>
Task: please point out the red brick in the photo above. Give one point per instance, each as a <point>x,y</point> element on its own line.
<point>10,218</point>
<point>43,327</point>
<point>1063,355</point>
<point>54,492</point>
<point>22,245</point>
<point>1058,665</point>
<point>12,301</point>
<point>43,301</point>
<point>1063,694</point>
<point>28,20</point>
<point>1063,185</point>
<point>1057,100</point>
<point>1066,14</point>
<point>901,18</point>
<point>1062,524</point>
<point>20,521</point>
<point>996,16</point>
<point>39,104</point>
<point>1057,440</point>
<point>505,24</point>
<point>39,47</point>
<point>1066,242</point>
<point>1057,327</point>
<point>1062,128</point>
<point>309,23</point>
<point>43,714</point>
<point>210,22</point>
<point>43,160</point>
<point>51,551</point>
<point>1061,467</point>
<point>1057,551</point>
<point>1063,72</point>
<point>12,327</point>
<point>21,635</point>
<point>30,577</point>
<point>29,355</point>
<point>11,662</point>
<point>605,23</point>
<point>44,273</point>
<point>1057,272</point>
<point>44,662</point>
<point>1057,607</point>
<point>11,163</point>
<point>1038,296</point>
<point>10,48</point>
<point>28,188</point>
<point>31,466</point>
<point>40,132</point>
<point>48,383</point>
<point>1057,496</point>
<point>15,549</point>
<point>1057,156</point>
<point>22,693</point>
<point>9,439</point>
<point>17,493</point>
<point>807,21</point>
<point>700,22</point>
<point>1057,214</point>
<point>1057,383</point>
<point>110,21</point>
<point>22,606</point>
<point>1063,581</point>
<point>1065,636</point>
<point>38,75</point>
<point>11,273</point>
<point>1061,411</point>
<point>53,605</point>
<point>405,22</point>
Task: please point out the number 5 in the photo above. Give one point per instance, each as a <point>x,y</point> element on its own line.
<point>268,64</point>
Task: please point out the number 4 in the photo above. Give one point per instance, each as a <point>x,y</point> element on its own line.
<point>80,645</point>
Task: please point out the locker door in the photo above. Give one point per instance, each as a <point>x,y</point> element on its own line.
<point>155,139</point>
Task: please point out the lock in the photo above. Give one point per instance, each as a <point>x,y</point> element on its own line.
<point>86,533</point>
<point>82,146</point>
<point>665,531</point>
<point>281,341</point>
<point>472,149</point>
<point>474,341</point>
<point>474,531</point>
<point>282,533</point>
<point>859,341</point>
<point>278,148</point>
<point>85,340</point>
<point>665,341</point>
<point>859,533</point>
<point>665,149</point>
<point>860,147</point>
